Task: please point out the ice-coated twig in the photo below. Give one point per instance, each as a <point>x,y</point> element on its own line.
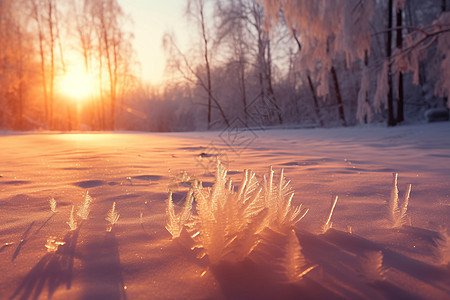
<point>72,223</point>
<point>112,217</point>
<point>52,203</point>
<point>328,224</point>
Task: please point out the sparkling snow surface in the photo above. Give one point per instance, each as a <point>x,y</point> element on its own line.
<point>138,260</point>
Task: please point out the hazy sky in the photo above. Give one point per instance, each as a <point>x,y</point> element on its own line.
<point>151,19</point>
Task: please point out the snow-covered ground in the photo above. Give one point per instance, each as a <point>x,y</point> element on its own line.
<point>361,257</point>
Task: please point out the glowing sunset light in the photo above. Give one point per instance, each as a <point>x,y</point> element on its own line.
<point>76,84</point>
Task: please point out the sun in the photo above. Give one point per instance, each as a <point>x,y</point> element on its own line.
<point>76,84</point>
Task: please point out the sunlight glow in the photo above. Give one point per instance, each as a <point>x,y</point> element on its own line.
<point>76,84</point>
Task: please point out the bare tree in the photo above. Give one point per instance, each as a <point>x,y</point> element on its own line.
<point>196,9</point>
<point>390,95</point>
<point>232,33</point>
<point>38,18</point>
<point>14,65</point>
<point>112,41</point>
<point>45,15</point>
<point>399,45</point>
<point>243,23</point>
<point>264,59</point>
<point>338,96</point>
<point>179,62</point>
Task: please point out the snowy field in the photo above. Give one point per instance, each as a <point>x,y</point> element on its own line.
<point>363,256</point>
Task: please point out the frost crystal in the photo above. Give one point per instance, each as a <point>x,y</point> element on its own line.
<point>227,222</point>
<point>52,203</point>
<point>112,217</point>
<point>52,244</point>
<point>278,199</point>
<point>84,209</point>
<point>372,266</point>
<point>294,262</point>
<point>397,211</point>
<point>72,223</point>
<point>328,224</point>
<point>176,222</point>
<point>442,250</point>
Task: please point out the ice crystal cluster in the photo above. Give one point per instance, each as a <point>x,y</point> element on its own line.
<point>83,211</point>
<point>228,220</point>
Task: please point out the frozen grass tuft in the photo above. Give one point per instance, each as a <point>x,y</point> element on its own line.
<point>228,221</point>
<point>397,211</point>
<point>112,217</point>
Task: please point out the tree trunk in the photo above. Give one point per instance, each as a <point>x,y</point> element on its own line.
<point>399,42</point>
<point>20,100</point>
<point>269,83</point>
<point>444,9</point>
<point>391,119</point>
<point>112,98</point>
<point>206,57</point>
<point>316,102</point>
<point>52,59</point>
<point>338,96</point>
<point>243,89</point>
<point>366,64</point>
<point>37,17</point>
<point>100,80</point>
<point>69,118</point>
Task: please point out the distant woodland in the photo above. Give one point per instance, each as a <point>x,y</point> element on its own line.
<point>308,63</point>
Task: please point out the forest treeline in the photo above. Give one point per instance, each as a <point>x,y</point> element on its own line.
<point>250,63</point>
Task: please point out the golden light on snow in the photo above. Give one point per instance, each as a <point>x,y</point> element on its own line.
<point>76,84</point>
